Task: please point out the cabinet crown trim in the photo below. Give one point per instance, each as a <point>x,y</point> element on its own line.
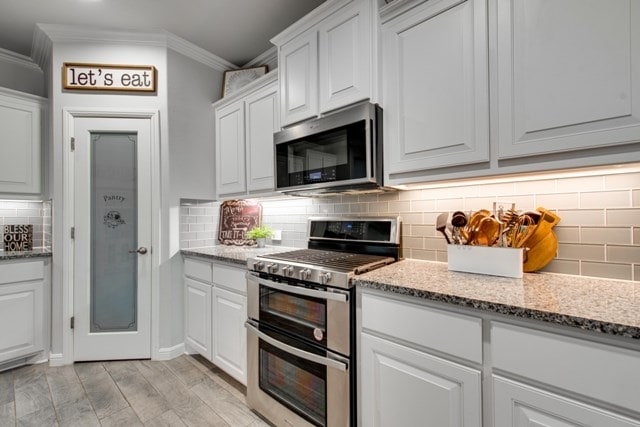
<point>270,77</point>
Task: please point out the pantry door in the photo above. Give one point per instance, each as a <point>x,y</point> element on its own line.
<point>112,238</point>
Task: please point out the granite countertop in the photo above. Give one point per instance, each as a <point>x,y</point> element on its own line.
<point>34,253</point>
<point>233,254</point>
<point>600,305</point>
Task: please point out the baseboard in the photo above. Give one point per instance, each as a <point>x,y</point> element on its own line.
<point>57,359</point>
<point>169,353</point>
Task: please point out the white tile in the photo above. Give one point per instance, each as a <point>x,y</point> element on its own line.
<point>581,251</point>
<point>558,201</point>
<point>422,255</point>
<point>535,187</point>
<point>477,203</point>
<point>623,254</point>
<point>605,199</point>
<point>606,270</point>
<point>563,266</point>
<point>423,205</point>
<point>400,206</point>
<point>635,198</point>
<point>587,183</point>
<point>449,204</point>
<point>622,181</point>
<point>602,235</point>
<point>496,190</point>
<point>582,217</point>
<point>624,217</point>
<point>569,234</point>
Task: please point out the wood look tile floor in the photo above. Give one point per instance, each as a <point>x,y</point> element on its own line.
<point>185,391</point>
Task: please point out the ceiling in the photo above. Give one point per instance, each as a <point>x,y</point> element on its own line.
<point>235,30</point>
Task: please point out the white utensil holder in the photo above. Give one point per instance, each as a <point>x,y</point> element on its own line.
<point>491,260</point>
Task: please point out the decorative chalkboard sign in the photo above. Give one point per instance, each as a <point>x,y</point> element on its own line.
<point>236,218</point>
<point>18,237</point>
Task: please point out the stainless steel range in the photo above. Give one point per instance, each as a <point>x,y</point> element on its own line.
<point>301,347</point>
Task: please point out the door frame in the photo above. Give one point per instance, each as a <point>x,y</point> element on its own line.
<point>67,209</point>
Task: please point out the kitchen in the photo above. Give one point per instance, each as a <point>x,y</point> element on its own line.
<point>598,203</point>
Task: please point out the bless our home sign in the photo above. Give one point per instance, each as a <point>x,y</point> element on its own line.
<point>108,77</point>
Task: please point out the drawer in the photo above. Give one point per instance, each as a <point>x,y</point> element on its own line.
<point>592,369</point>
<point>230,278</point>
<point>21,271</point>
<point>196,269</point>
<point>451,333</point>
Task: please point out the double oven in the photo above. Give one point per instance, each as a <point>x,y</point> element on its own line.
<point>301,346</point>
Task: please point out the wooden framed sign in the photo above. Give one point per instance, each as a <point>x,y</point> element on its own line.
<point>108,77</point>
<point>18,237</point>
<point>236,218</point>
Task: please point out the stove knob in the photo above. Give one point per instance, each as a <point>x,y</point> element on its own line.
<point>305,273</point>
<point>324,277</point>
<point>258,265</point>
<point>272,268</point>
<point>287,271</point>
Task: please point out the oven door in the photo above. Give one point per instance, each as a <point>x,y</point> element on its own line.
<point>319,315</point>
<point>293,383</point>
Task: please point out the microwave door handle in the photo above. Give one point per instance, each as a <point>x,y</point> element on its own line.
<point>335,361</point>
<point>299,290</point>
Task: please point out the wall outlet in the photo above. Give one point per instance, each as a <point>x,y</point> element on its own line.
<point>277,235</point>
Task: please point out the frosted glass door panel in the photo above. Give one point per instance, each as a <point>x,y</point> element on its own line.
<point>113,232</point>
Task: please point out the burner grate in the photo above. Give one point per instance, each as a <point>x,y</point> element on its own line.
<point>341,261</point>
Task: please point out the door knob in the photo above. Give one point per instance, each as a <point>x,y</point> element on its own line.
<point>142,250</point>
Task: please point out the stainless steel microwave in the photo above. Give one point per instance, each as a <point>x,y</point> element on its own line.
<point>336,153</point>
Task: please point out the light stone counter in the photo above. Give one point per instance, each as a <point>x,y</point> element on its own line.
<point>605,306</point>
<point>233,254</point>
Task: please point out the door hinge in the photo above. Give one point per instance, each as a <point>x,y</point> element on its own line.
<point>73,322</point>
<point>73,144</point>
<point>73,232</point>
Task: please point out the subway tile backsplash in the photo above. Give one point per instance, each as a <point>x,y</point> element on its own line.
<point>37,213</point>
<point>599,231</point>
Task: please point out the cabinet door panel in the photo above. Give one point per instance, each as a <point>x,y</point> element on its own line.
<point>262,122</point>
<point>519,405</point>
<point>20,163</point>
<point>197,300</point>
<point>299,78</point>
<point>436,87</point>
<point>21,314</point>
<point>230,163</point>
<point>230,340</point>
<point>568,75</point>
<point>401,386</point>
<point>345,57</point>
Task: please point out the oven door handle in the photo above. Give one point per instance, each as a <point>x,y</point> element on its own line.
<point>299,290</point>
<point>335,361</point>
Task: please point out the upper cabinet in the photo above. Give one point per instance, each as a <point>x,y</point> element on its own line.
<point>327,60</point>
<point>487,87</point>
<point>568,75</point>
<point>435,91</point>
<point>244,139</point>
<point>21,122</point>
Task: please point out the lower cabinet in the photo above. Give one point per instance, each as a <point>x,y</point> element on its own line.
<point>215,312</point>
<point>402,386</point>
<point>22,290</point>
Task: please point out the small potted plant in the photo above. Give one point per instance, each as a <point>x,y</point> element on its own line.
<point>260,234</point>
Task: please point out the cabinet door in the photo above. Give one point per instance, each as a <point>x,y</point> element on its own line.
<point>298,64</point>
<point>261,122</point>
<point>230,156</point>
<point>197,298</point>
<point>20,164</point>
<point>402,387</point>
<point>568,75</point>
<point>345,56</point>
<point>229,312</point>
<point>519,405</point>
<point>21,316</point>
<point>435,89</point>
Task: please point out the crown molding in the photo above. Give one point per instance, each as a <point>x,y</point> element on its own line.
<point>268,78</point>
<point>48,34</point>
<point>267,57</point>
<point>18,59</point>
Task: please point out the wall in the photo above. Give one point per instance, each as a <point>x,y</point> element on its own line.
<point>19,72</point>
<point>37,213</point>
<point>599,231</point>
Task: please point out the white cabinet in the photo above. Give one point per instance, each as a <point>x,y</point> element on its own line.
<point>244,139</point>
<point>22,290</point>
<point>402,386</point>
<point>327,60</point>
<point>435,90</point>
<point>568,75</point>
<point>406,376</point>
<point>215,312</point>
<point>520,405</point>
<point>21,117</point>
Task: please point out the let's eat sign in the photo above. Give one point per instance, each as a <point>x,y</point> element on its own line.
<point>108,77</point>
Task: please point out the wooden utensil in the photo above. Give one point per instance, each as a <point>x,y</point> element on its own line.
<point>541,254</point>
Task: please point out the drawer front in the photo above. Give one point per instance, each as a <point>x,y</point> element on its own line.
<point>230,278</point>
<point>451,333</point>
<point>196,269</point>
<point>602,372</point>
<point>21,271</point>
